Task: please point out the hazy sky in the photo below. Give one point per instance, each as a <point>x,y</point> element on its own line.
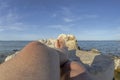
<point>36,19</point>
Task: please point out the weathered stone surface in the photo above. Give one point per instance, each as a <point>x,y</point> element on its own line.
<point>71,44</point>
<point>70,41</point>
<point>2,57</point>
<point>49,42</point>
<point>87,57</point>
<point>117,64</point>
<point>99,66</point>
<point>95,50</point>
<point>64,36</point>
<point>11,56</point>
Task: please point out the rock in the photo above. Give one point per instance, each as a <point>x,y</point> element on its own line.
<point>64,36</point>
<point>117,64</point>
<point>70,41</point>
<point>95,50</point>
<point>49,42</point>
<point>117,75</point>
<point>43,41</point>
<point>71,44</point>
<point>2,57</point>
<point>11,56</point>
<point>15,50</point>
<point>71,37</point>
<point>100,67</point>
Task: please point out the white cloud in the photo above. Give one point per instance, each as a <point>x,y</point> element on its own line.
<point>68,20</point>
<point>16,27</point>
<point>74,18</point>
<point>64,14</point>
<point>69,15</point>
<point>91,16</point>
<point>62,27</point>
<point>9,19</point>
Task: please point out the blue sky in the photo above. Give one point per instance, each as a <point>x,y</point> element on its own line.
<point>37,19</point>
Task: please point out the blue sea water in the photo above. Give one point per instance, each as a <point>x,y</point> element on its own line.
<point>105,47</point>
<point>8,46</point>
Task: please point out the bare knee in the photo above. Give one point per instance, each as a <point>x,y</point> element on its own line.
<point>35,43</point>
<point>77,66</point>
<point>72,69</point>
<point>34,48</point>
<point>76,69</point>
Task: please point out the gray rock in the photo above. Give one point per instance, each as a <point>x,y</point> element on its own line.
<point>99,66</point>
<point>11,56</point>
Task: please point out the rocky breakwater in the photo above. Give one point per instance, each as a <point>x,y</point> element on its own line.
<point>70,41</point>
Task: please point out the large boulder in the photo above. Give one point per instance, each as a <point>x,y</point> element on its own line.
<point>49,42</point>
<point>117,64</point>
<point>95,50</point>
<point>99,66</point>
<point>70,41</point>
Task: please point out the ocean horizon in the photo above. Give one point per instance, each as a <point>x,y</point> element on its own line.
<point>111,47</point>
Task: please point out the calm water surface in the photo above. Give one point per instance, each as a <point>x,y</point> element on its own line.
<point>106,47</point>
<point>8,46</point>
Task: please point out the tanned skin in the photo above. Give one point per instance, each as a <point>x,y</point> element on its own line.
<point>36,61</point>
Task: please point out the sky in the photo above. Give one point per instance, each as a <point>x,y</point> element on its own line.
<point>43,19</point>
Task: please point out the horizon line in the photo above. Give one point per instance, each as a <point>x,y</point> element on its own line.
<point>77,40</point>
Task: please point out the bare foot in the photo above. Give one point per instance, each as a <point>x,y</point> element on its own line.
<point>60,43</point>
<point>63,50</point>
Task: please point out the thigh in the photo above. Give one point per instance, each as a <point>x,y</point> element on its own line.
<point>35,62</point>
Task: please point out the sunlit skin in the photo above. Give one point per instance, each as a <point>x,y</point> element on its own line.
<point>36,61</point>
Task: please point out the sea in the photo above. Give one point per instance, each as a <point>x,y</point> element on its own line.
<point>105,47</point>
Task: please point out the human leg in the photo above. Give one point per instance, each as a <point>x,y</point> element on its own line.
<point>34,62</point>
<point>73,70</point>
